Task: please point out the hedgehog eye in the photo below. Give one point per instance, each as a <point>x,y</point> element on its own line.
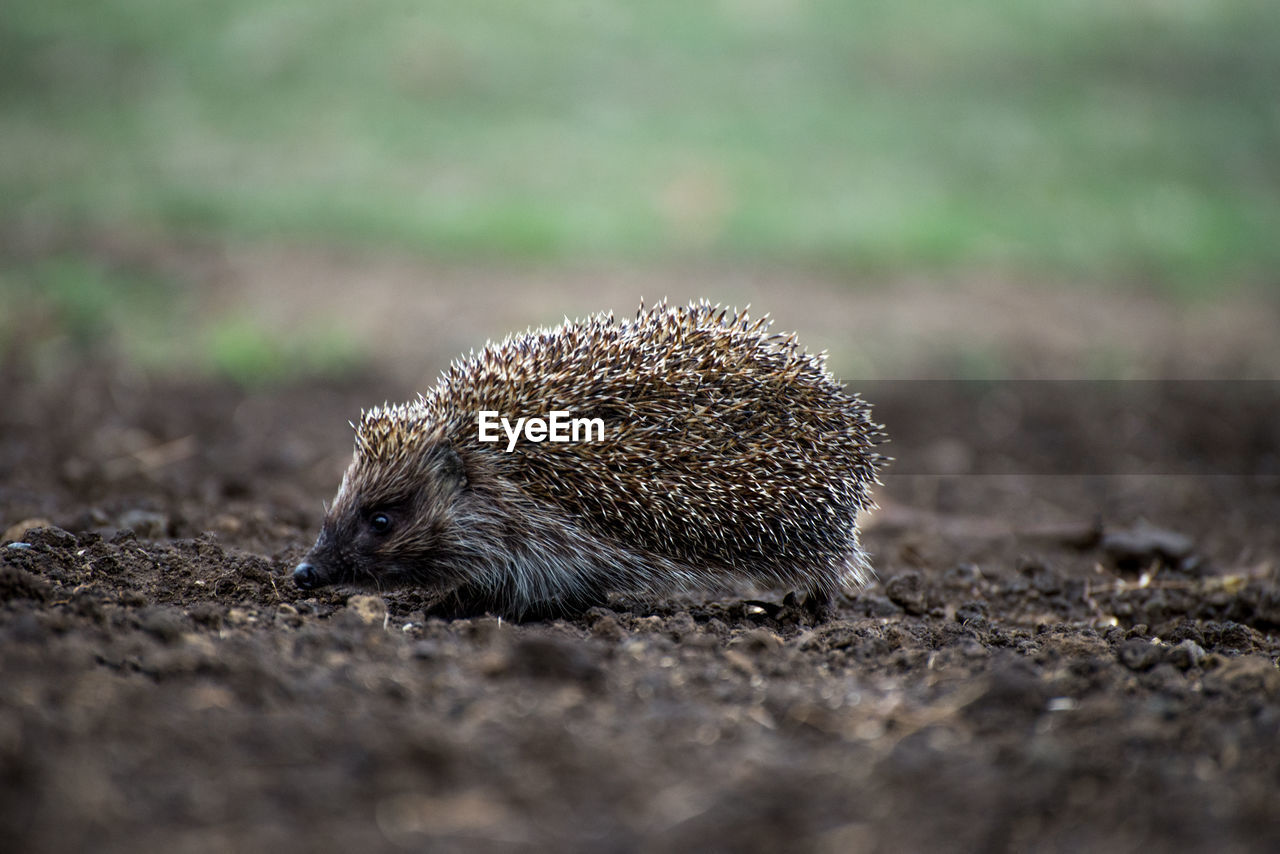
<point>380,523</point>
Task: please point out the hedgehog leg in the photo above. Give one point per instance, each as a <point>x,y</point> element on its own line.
<point>816,606</point>
<point>568,605</point>
<point>473,600</point>
<point>819,604</point>
<point>463,602</point>
<point>565,609</point>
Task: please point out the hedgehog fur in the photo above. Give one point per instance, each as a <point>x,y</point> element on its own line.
<point>729,455</point>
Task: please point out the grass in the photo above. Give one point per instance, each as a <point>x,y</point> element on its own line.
<point>64,309</point>
<point>1094,139</point>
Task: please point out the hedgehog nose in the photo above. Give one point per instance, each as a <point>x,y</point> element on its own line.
<point>305,576</point>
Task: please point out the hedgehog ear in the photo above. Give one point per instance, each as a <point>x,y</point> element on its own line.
<point>452,468</point>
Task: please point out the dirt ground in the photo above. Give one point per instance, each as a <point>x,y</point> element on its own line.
<point>1049,661</point>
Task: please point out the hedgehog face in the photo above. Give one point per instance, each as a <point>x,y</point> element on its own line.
<point>389,525</point>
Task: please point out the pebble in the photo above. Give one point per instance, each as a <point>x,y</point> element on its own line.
<point>237,617</point>
<point>288,615</point>
<point>963,574</point>
<point>370,610</point>
<point>1186,655</point>
<point>607,627</point>
<point>1040,575</point>
<point>147,524</point>
<point>16,531</point>
<point>906,590</point>
<point>1143,544</point>
<point>1138,654</point>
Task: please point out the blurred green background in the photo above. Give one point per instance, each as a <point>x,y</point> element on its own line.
<point>1092,141</point>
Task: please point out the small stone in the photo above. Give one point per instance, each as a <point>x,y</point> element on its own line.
<point>1187,630</point>
<point>906,590</point>
<point>1137,547</point>
<point>288,615</point>
<point>681,626</point>
<point>147,524</point>
<point>371,610</point>
<point>1186,655</point>
<point>1237,638</point>
<point>16,531</point>
<point>50,537</point>
<point>648,624</point>
<point>237,617</point>
<point>228,524</point>
<point>973,614</point>
<point>963,575</point>
<point>607,627</point>
<point>1040,575</point>
<point>1138,654</point>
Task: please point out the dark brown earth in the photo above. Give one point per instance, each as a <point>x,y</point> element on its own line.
<point>1049,662</point>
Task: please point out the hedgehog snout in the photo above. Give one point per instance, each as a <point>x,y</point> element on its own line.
<point>305,576</point>
<point>316,567</point>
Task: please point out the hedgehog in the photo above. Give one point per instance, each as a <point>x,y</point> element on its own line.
<point>728,456</point>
